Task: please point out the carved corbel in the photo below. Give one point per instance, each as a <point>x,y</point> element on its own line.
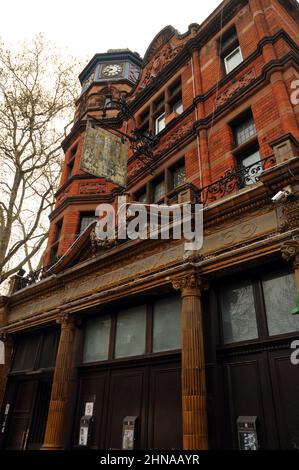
<point>290,251</point>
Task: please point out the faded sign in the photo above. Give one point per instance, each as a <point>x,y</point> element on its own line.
<point>104,155</point>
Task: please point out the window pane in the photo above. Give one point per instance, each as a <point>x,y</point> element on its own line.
<point>160,123</point>
<point>48,350</point>
<point>245,130</point>
<point>97,334</point>
<point>233,60</point>
<point>280,298</point>
<point>26,352</point>
<point>130,332</point>
<point>159,191</point>
<point>142,198</point>
<point>238,313</point>
<point>178,176</point>
<point>86,220</point>
<point>178,107</point>
<point>167,324</point>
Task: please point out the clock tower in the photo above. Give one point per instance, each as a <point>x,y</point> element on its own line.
<point>107,77</point>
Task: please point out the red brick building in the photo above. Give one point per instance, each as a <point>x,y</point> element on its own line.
<point>191,345</point>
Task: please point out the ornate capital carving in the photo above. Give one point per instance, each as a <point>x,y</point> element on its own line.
<point>66,320</point>
<point>290,251</point>
<point>188,282</point>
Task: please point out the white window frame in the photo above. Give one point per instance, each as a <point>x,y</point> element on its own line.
<point>226,59</point>
<point>159,120</point>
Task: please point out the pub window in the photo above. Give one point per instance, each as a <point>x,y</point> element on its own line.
<point>238,313</point>
<point>178,175</point>
<point>230,50</point>
<point>35,351</point>
<point>26,353</point>
<point>130,332</point>
<point>96,344</point>
<point>86,218</point>
<point>280,293</point>
<point>135,331</point>
<point>167,324</point>
<point>48,349</point>
<point>258,309</point>
<point>71,163</point>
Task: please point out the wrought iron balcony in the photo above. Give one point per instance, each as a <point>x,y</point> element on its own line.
<point>234,179</point>
<point>19,281</point>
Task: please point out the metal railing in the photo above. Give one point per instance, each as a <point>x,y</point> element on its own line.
<point>234,179</point>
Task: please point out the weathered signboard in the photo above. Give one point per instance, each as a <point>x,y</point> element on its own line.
<point>104,154</point>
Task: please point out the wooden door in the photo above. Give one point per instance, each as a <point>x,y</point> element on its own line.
<point>39,415</point>
<point>127,397</point>
<point>150,392</point>
<point>265,385</point>
<point>285,387</point>
<point>21,414</point>
<point>165,408</point>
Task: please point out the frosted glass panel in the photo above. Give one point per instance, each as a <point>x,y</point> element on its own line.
<point>238,313</point>
<point>280,298</point>
<point>167,324</point>
<point>97,334</point>
<point>130,332</point>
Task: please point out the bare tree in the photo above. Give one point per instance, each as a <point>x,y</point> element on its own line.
<point>37,93</point>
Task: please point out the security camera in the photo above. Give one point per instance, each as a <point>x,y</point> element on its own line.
<point>280,196</point>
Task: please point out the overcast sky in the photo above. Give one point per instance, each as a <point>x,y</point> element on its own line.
<point>90,26</point>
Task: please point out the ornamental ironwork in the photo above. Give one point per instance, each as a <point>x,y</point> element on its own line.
<point>234,179</point>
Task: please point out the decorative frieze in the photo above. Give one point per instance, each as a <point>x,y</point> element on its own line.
<point>235,87</point>
<point>92,188</point>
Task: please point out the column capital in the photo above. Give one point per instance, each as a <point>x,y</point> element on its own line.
<point>189,282</point>
<point>65,320</point>
<point>290,251</point>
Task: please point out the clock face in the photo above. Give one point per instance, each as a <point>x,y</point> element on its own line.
<point>112,70</point>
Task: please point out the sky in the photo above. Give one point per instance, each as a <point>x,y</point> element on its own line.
<point>91,26</point>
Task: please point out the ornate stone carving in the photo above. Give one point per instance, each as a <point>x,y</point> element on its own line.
<point>160,53</point>
<point>188,282</point>
<point>290,251</point>
<point>97,244</point>
<point>176,135</point>
<point>290,215</point>
<point>92,188</point>
<point>66,320</point>
<point>235,88</point>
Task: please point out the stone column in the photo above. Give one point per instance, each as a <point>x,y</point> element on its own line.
<point>194,400</point>
<point>5,368</point>
<point>55,435</point>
